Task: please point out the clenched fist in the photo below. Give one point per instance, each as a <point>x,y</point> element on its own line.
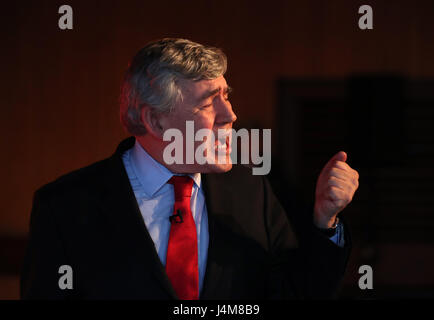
<point>335,189</point>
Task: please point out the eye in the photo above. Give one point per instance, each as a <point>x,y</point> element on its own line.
<point>206,106</point>
<point>202,108</point>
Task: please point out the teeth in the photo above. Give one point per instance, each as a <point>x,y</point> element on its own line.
<point>222,144</point>
<point>221,147</point>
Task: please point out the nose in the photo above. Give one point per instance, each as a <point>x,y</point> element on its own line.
<point>225,113</point>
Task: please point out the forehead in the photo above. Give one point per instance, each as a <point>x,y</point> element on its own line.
<point>194,91</point>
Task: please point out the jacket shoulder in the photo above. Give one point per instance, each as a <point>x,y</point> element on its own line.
<point>89,178</point>
<point>84,179</point>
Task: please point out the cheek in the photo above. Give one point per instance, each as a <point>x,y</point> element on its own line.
<point>168,122</point>
<point>204,120</point>
<point>176,120</point>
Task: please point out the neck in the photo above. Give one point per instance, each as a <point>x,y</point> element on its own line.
<point>155,148</point>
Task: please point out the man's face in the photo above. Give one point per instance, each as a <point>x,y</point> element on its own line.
<point>206,103</point>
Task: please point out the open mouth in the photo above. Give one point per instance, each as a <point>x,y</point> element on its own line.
<point>223,143</point>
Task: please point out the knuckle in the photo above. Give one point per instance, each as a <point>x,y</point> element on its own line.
<point>356,175</point>
<point>356,183</point>
<point>343,164</point>
<point>332,191</point>
<point>340,203</point>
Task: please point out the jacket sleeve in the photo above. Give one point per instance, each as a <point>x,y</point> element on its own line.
<point>311,270</point>
<point>44,256</point>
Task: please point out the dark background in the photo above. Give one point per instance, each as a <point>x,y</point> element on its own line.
<point>302,68</point>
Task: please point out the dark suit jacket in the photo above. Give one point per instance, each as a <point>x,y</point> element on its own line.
<point>89,219</point>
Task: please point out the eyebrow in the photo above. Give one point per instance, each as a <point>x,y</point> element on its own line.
<point>213,92</point>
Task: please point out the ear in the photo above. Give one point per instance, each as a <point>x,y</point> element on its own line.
<point>151,121</point>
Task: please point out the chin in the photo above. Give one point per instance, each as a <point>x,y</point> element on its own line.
<point>220,168</point>
<point>197,168</point>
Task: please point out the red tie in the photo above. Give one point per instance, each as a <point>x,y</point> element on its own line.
<point>182,261</point>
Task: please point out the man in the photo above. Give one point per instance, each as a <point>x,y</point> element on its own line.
<point>134,226</point>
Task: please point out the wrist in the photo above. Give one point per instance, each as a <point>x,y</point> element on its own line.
<point>330,227</point>
<point>325,223</point>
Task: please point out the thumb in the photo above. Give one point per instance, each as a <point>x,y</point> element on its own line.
<point>340,156</point>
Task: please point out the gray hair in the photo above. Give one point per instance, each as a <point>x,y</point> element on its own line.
<point>153,76</point>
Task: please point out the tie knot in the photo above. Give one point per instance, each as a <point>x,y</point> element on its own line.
<point>182,186</point>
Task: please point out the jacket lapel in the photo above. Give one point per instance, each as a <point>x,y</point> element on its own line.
<point>213,269</point>
<point>119,203</point>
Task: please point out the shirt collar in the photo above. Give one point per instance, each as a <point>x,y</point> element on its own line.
<point>151,174</point>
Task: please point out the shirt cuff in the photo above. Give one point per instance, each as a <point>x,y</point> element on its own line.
<point>338,238</point>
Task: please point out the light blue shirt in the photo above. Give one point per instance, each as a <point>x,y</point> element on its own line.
<point>156,199</point>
